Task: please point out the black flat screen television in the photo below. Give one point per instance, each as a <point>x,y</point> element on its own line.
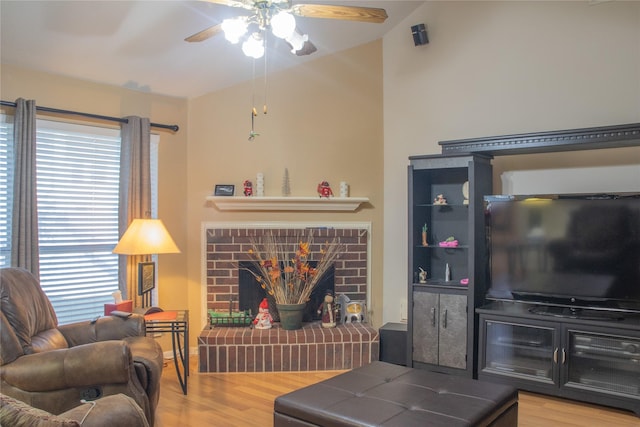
<point>573,251</point>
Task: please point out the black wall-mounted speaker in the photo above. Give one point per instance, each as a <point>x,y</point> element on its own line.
<point>419,33</point>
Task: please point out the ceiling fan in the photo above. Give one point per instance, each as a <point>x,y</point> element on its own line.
<point>278,15</point>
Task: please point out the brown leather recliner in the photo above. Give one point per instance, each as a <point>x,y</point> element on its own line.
<point>53,367</point>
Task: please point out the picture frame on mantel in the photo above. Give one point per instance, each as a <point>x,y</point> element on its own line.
<point>224,190</point>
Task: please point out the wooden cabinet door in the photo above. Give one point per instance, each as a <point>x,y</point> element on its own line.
<point>425,327</point>
<point>453,331</point>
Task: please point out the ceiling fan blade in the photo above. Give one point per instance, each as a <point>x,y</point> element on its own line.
<point>204,34</point>
<point>349,13</point>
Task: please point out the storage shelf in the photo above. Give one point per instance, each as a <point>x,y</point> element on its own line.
<point>445,345</point>
<point>529,348</point>
<point>448,205</point>
<point>255,203</point>
<point>436,246</point>
<point>441,284</point>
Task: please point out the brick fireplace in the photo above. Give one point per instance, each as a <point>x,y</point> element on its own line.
<point>228,349</point>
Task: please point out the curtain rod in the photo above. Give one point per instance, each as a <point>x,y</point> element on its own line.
<point>92,116</point>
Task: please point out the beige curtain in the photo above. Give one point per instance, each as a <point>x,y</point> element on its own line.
<point>24,214</point>
<point>135,195</point>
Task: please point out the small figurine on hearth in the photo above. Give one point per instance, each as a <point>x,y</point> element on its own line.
<point>324,190</point>
<point>248,188</point>
<point>263,319</point>
<point>328,311</point>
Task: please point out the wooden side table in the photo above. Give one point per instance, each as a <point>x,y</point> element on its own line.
<point>177,323</point>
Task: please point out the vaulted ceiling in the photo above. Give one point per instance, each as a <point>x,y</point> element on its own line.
<point>140,44</point>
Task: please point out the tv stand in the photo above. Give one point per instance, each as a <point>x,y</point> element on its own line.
<point>583,354</point>
<point>577,313</point>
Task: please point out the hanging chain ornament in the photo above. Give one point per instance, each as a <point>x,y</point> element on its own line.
<point>254,111</point>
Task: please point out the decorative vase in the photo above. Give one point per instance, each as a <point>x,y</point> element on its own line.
<point>291,315</point>
<point>424,239</point>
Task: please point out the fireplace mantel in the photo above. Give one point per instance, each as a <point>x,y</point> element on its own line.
<point>225,203</point>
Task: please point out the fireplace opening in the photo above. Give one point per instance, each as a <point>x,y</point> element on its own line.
<point>250,292</point>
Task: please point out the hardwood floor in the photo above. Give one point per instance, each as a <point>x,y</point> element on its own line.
<point>245,400</point>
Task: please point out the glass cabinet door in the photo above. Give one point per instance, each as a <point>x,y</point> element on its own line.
<point>604,362</point>
<point>520,350</point>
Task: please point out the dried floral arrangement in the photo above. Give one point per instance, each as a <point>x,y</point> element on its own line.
<point>287,275</point>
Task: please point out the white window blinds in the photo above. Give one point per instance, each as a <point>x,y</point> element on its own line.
<point>77,180</point>
<point>77,174</point>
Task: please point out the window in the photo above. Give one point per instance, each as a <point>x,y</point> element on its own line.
<point>6,188</point>
<point>77,173</point>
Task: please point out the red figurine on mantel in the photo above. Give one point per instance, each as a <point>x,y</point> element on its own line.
<point>324,190</point>
<point>248,188</point>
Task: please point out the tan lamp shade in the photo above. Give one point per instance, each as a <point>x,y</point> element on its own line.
<point>146,237</point>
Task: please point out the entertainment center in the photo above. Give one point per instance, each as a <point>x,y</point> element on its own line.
<point>552,302</point>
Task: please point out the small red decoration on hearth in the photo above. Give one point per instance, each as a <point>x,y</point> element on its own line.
<point>324,189</point>
<point>263,319</point>
<point>248,188</point>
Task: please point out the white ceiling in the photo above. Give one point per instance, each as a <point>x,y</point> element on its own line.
<point>140,44</point>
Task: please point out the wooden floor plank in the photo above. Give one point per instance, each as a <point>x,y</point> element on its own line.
<point>245,400</point>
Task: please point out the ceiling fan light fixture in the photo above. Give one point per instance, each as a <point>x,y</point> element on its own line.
<point>283,24</point>
<point>297,41</point>
<point>234,29</point>
<point>254,46</point>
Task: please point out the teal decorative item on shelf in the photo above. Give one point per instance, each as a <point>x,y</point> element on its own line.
<point>424,235</point>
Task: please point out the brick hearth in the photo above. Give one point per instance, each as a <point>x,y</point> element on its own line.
<point>311,348</point>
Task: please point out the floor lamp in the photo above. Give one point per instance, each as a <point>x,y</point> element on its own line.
<point>146,237</point>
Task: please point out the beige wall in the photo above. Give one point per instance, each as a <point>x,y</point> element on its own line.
<point>324,122</point>
<point>495,68</point>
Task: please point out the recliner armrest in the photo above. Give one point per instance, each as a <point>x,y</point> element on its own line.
<point>113,410</point>
<point>103,329</point>
<point>108,362</point>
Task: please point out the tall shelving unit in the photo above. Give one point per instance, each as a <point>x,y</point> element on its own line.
<point>441,320</point>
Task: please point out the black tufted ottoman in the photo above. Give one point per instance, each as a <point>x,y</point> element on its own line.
<point>382,394</point>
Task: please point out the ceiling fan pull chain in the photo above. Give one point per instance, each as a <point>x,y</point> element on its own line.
<point>254,113</point>
<point>264,107</point>
<point>253,89</point>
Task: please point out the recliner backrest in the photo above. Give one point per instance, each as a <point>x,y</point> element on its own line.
<point>28,312</point>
